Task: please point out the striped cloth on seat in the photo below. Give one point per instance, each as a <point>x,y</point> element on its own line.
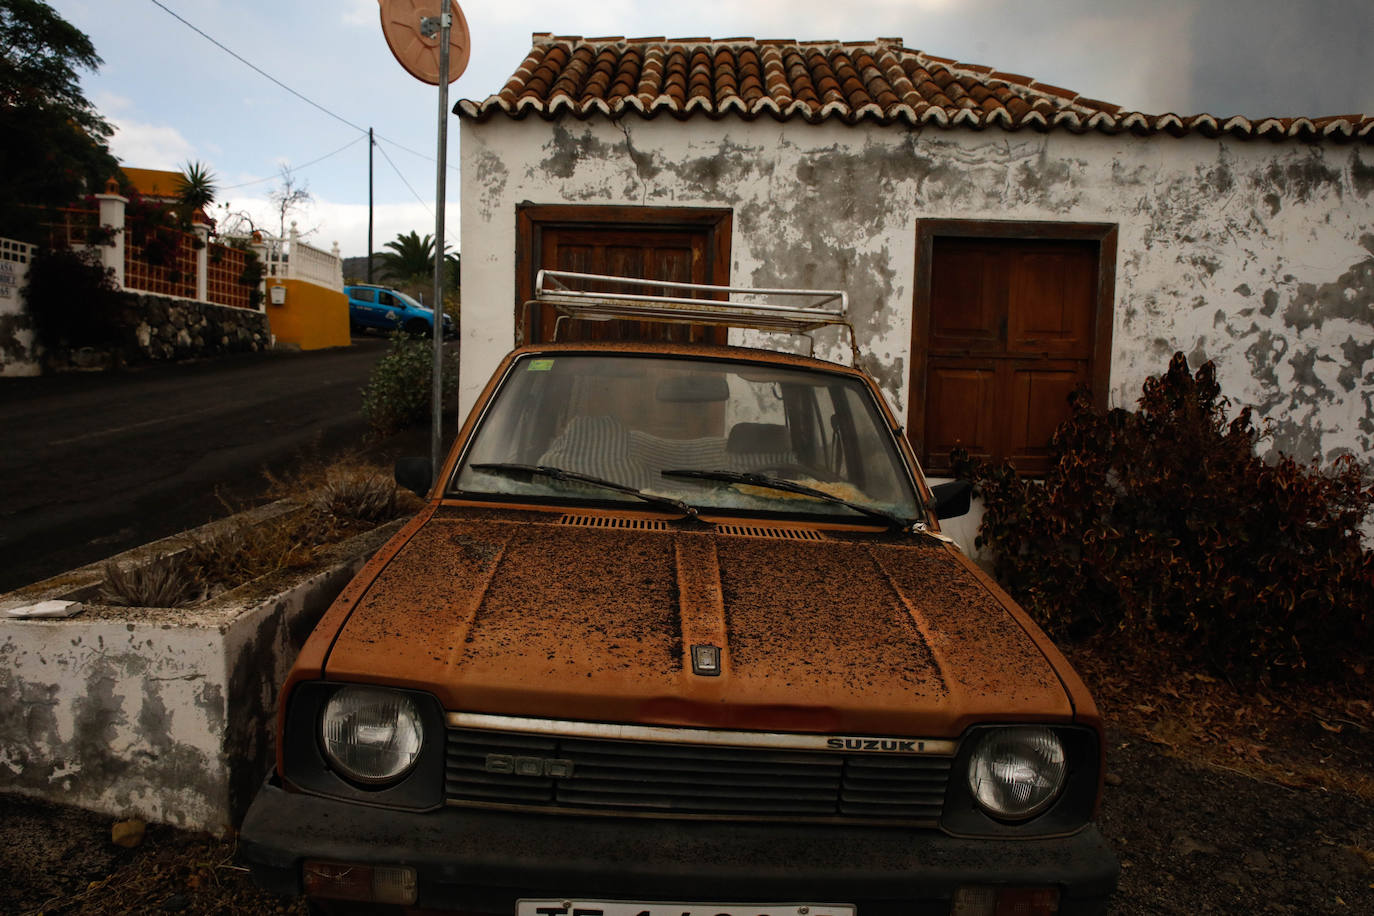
<point>598,446</point>
<point>603,447</point>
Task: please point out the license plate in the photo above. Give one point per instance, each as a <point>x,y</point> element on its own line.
<point>568,907</point>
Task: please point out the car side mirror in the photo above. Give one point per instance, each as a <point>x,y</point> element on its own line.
<point>415,474</point>
<point>951,500</point>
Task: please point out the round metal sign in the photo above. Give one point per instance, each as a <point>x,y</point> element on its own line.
<point>415,51</point>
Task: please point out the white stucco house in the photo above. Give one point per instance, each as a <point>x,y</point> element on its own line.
<point>1002,240</point>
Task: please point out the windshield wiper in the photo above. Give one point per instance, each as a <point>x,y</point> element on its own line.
<point>528,471</point>
<point>787,486</point>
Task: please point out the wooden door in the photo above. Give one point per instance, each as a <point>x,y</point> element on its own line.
<point>1011,334</point>
<point>684,245</point>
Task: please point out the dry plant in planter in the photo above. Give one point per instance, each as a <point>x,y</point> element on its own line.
<point>165,582</point>
<point>240,553</point>
<point>359,493</point>
<point>336,502</point>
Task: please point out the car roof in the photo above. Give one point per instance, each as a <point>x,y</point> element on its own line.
<point>702,351</point>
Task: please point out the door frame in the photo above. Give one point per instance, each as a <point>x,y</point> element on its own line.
<point>928,230</point>
<point>531,220</point>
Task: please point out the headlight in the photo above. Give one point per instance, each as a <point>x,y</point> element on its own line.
<point>1015,773</point>
<point>371,735</point>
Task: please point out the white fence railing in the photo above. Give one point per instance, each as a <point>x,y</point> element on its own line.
<point>292,259</point>
<point>288,258</point>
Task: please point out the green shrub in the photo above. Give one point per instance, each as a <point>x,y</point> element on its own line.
<point>1164,520</point>
<point>72,299</point>
<point>398,392</point>
<point>253,272</point>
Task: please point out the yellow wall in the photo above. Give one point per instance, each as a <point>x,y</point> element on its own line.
<point>155,182</point>
<point>312,317</point>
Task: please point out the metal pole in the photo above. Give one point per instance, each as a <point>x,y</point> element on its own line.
<point>436,427</point>
<point>370,141</point>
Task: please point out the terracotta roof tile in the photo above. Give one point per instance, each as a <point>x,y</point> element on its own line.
<point>1010,77</point>
<point>879,81</point>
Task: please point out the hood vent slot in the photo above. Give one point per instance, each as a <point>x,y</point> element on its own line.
<point>598,521</point>
<point>652,524</point>
<point>774,534</point>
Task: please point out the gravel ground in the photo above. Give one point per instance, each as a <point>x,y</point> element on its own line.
<point>1201,840</point>
<point>1191,840</point>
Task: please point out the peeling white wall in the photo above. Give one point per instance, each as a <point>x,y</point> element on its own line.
<point>1256,254</point>
<point>16,328</point>
<point>165,713</point>
<point>123,718</point>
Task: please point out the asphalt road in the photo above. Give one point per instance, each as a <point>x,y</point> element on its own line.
<point>93,464</point>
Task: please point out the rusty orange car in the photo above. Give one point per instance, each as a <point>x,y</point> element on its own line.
<point>677,634</point>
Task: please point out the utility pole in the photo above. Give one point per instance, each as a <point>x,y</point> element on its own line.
<point>370,141</point>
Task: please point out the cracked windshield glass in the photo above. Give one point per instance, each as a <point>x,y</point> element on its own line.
<point>626,419</point>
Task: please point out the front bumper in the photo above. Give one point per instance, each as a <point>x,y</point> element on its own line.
<point>484,860</point>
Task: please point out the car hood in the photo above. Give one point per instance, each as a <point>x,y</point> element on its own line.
<point>564,617</point>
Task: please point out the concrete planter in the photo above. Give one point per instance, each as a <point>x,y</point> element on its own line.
<point>167,713</point>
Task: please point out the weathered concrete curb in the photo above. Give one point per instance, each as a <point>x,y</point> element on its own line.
<point>167,713</point>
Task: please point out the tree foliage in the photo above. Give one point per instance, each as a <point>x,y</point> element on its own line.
<point>53,142</point>
<point>72,299</point>
<point>196,189</point>
<point>231,223</point>
<point>410,259</point>
<point>1165,520</point>
<point>288,197</point>
<point>400,390</point>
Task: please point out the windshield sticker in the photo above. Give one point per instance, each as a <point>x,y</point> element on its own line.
<point>540,365</point>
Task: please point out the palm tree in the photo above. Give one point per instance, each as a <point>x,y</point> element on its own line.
<point>411,260</point>
<point>410,257</point>
<point>197,188</point>
<point>453,271</point>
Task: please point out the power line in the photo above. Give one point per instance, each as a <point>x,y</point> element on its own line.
<point>255,67</point>
<point>403,181</point>
<point>362,131</point>
<point>243,60</point>
<point>447,238</point>
<point>412,152</point>
<point>297,168</point>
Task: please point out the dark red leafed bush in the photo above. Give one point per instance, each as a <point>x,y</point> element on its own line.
<point>1164,520</point>
<point>73,299</point>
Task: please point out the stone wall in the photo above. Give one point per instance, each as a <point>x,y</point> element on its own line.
<point>163,328</point>
<point>160,328</point>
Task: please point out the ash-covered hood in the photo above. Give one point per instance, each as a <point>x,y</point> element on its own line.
<point>533,615</point>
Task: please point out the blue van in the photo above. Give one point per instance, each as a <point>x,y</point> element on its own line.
<point>388,309</point>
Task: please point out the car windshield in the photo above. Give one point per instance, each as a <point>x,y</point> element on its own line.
<point>628,419</point>
<point>407,299</point>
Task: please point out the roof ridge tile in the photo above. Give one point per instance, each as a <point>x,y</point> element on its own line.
<point>879,80</point>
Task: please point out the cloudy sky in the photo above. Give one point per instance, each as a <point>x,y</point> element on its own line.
<point>175,96</point>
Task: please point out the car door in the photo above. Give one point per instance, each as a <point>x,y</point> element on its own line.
<point>361,304</point>
<point>390,310</point>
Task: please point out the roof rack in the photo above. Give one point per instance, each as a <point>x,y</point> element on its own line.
<point>795,311</point>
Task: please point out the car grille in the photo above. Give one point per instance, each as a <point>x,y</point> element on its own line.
<point>686,779</point>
